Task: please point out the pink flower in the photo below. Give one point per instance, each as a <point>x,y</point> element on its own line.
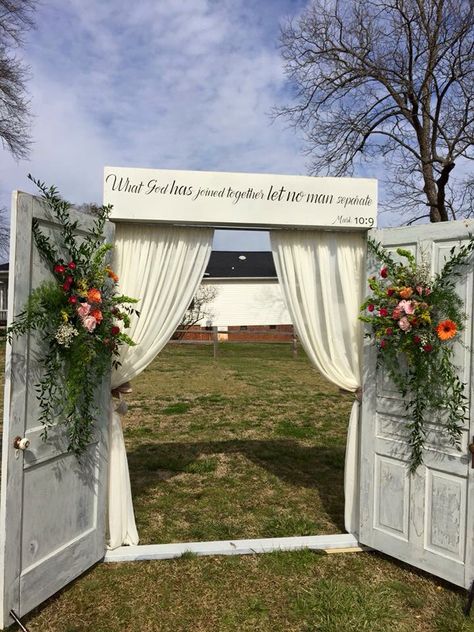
<point>419,289</point>
<point>406,306</point>
<point>404,324</point>
<point>83,310</point>
<point>396,313</point>
<point>89,323</point>
<point>427,291</point>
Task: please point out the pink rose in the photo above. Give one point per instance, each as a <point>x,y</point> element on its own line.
<point>419,289</point>
<point>83,310</point>
<point>89,323</point>
<point>406,306</point>
<point>404,324</point>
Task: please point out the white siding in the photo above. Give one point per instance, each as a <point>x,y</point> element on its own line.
<point>247,302</point>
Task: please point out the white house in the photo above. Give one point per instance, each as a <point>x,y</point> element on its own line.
<point>249,297</point>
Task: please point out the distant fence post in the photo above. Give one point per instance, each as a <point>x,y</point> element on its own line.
<point>294,346</point>
<point>215,341</point>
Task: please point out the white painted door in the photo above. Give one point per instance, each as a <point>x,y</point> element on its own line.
<point>52,519</point>
<point>424,519</point>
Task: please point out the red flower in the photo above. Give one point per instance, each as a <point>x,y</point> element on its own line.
<point>115,330</point>
<point>59,268</point>
<point>72,299</point>
<point>383,343</point>
<point>383,312</point>
<point>416,340</point>
<point>371,307</point>
<point>427,348</point>
<point>66,286</point>
<point>388,331</point>
<point>71,265</point>
<point>384,273</point>
<point>390,291</point>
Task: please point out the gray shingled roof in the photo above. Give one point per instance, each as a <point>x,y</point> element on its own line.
<point>228,264</point>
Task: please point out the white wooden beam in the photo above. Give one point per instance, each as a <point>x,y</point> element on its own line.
<point>231,547</point>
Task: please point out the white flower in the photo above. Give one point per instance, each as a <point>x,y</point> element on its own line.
<point>65,334</point>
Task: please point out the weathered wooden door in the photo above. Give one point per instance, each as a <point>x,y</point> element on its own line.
<point>424,519</point>
<point>52,519</point>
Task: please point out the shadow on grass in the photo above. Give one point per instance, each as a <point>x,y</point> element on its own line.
<point>320,468</point>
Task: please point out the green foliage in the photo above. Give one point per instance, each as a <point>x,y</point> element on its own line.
<point>77,314</point>
<point>414,320</point>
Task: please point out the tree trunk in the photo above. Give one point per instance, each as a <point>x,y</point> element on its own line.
<point>442,181</point>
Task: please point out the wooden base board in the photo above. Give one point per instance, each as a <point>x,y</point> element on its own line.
<point>341,542</point>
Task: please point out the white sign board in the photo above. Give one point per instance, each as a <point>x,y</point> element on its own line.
<point>239,199</point>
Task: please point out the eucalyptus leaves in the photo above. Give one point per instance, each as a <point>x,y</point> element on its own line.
<point>414,320</point>
<point>80,317</point>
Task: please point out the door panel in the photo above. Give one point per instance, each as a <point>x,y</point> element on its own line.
<point>52,519</point>
<point>421,518</point>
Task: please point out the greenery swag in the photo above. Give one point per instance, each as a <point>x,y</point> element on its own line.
<point>81,318</point>
<point>414,320</point>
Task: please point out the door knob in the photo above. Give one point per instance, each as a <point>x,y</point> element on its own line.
<point>21,443</point>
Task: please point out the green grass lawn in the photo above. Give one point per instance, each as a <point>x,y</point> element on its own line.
<point>250,445</point>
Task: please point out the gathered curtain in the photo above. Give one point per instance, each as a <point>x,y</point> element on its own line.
<point>321,275</point>
<point>162,266</point>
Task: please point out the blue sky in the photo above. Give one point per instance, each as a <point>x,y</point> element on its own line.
<point>155,83</point>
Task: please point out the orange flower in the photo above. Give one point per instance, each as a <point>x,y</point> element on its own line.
<point>446,329</point>
<point>112,275</point>
<point>406,292</point>
<point>97,314</point>
<point>93,296</point>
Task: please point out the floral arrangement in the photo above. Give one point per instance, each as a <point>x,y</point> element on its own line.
<point>81,318</point>
<point>414,319</point>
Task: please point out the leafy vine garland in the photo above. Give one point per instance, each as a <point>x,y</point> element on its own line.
<point>81,318</point>
<point>414,319</point>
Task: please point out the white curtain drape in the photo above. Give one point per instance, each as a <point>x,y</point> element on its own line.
<point>321,275</point>
<point>162,266</point>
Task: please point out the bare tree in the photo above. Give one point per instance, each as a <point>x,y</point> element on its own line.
<point>391,79</point>
<point>15,20</point>
<point>199,311</point>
